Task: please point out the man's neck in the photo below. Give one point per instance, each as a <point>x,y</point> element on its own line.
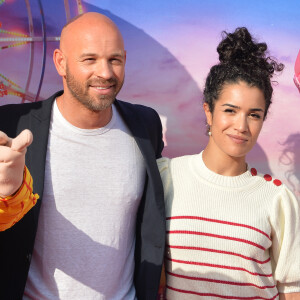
<point>80,116</point>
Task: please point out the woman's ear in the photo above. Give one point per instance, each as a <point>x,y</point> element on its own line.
<point>207,113</point>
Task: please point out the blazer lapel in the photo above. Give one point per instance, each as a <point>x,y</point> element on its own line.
<point>139,133</point>
<point>39,122</point>
<point>143,141</point>
<point>36,155</point>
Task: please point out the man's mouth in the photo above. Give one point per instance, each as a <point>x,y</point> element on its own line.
<point>102,87</point>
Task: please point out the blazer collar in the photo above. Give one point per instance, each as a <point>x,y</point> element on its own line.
<point>138,130</point>
<point>39,122</point>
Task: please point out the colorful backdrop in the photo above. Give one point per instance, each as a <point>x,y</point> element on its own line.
<point>170,46</point>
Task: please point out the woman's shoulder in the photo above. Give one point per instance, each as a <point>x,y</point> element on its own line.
<point>175,167</point>
<point>166,163</point>
<point>270,184</point>
<point>266,178</point>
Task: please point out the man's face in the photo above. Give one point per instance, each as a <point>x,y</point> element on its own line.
<point>95,68</point>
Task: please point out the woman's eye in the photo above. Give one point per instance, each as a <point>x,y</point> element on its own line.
<point>256,116</point>
<point>229,110</point>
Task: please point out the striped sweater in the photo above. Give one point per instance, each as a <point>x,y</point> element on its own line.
<point>228,237</point>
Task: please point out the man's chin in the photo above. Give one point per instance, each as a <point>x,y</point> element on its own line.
<point>100,106</point>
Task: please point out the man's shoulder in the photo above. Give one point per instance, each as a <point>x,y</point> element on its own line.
<point>16,117</point>
<point>133,105</point>
<point>141,119</point>
<point>24,108</point>
<point>133,108</point>
<point>18,107</point>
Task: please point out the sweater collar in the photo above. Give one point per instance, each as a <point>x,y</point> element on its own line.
<point>198,166</point>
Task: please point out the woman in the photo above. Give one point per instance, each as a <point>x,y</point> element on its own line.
<point>232,233</point>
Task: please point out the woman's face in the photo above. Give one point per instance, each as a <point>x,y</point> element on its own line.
<point>237,119</point>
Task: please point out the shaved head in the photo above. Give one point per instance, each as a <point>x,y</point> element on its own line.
<point>82,22</point>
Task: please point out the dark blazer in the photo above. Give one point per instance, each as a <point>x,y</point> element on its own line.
<point>17,243</point>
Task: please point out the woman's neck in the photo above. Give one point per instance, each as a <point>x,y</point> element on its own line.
<point>222,163</point>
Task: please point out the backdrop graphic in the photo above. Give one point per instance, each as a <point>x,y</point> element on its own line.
<point>170,47</point>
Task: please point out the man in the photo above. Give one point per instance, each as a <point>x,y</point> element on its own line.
<point>98,229</point>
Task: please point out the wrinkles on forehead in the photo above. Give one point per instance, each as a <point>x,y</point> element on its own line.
<point>83,24</point>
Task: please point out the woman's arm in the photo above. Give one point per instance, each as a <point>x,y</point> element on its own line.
<point>289,296</point>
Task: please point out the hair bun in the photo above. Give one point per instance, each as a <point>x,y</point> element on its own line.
<point>239,48</point>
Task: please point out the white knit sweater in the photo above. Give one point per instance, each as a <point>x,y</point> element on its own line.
<point>228,237</point>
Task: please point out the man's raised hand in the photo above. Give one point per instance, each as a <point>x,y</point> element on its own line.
<point>12,161</point>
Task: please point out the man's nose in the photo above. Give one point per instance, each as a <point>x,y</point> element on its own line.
<point>104,70</point>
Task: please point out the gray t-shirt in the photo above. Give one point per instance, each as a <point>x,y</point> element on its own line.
<point>85,243</point>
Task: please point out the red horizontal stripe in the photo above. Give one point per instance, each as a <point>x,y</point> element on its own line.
<point>220,251</point>
<point>219,296</point>
<point>216,236</point>
<point>216,266</point>
<point>219,221</point>
<point>221,281</point>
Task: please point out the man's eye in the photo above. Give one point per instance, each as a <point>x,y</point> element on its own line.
<point>89,59</point>
<point>229,110</point>
<point>116,60</point>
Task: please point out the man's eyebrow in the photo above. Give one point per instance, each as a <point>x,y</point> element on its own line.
<point>114,54</point>
<point>238,107</point>
<point>87,54</point>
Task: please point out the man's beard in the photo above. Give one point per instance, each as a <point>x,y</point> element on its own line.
<point>93,103</point>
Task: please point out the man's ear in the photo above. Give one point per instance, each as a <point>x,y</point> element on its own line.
<point>207,113</point>
<point>59,60</point>
<point>125,55</point>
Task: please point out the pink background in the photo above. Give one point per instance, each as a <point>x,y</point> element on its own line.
<point>170,46</point>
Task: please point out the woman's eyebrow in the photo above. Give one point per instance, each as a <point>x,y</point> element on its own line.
<point>238,107</point>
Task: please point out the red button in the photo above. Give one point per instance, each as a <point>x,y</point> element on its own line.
<point>268,177</point>
<point>277,182</point>
<point>253,172</point>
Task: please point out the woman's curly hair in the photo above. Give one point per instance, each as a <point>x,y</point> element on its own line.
<point>241,59</point>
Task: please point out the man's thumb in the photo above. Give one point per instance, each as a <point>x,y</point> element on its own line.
<point>23,140</point>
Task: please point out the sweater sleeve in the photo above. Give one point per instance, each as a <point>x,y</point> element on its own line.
<point>165,174</point>
<point>285,251</point>
<point>13,208</point>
